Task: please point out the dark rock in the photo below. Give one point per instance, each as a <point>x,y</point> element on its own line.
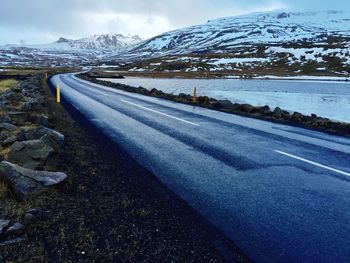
<point>297,117</point>
<point>25,182</point>
<point>285,114</point>
<point>34,211</point>
<point>29,154</point>
<point>155,92</point>
<point>185,97</point>
<point>20,118</point>
<point>7,126</point>
<point>277,113</point>
<point>43,121</point>
<point>264,109</point>
<point>57,136</point>
<point>4,118</point>
<point>225,104</point>
<point>314,116</point>
<point>9,141</point>
<point>30,218</point>
<point>247,108</point>
<point>10,242</point>
<point>36,104</point>
<point>236,107</point>
<point>15,229</point>
<point>4,135</point>
<point>213,103</point>
<point>4,224</point>
<point>37,133</point>
<point>10,95</point>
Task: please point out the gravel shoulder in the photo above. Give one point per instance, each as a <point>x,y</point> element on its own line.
<point>109,209</point>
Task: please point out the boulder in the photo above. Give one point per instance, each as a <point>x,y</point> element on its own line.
<point>264,110</point>
<point>35,104</point>
<point>213,103</point>
<point>27,134</point>
<point>4,135</point>
<point>7,126</point>
<point>30,218</point>
<point>15,229</point>
<point>20,118</point>
<point>30,154</point>
<point>225,104</point>
<point>247,108</point>
<point>285,114</point>
<point>9,141</point>
<point>277,113</point>
<point>43,121</point>
<point>26,182</point>
<point>297,117</point>
<point>4,224</point>
<point>4,117</point>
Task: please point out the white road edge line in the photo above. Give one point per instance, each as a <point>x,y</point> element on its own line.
<point>313,163</point>
<point>167,115</point>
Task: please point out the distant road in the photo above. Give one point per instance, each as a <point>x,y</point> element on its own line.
<point>281,193</point>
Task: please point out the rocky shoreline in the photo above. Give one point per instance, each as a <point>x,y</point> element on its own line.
<point>277,114</point>
<point>27,142</point>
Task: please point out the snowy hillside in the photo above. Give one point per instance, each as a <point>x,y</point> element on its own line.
<point>272,28</point>
<point>307,42</point>
<point>96,42</point>
<point>66,52</point>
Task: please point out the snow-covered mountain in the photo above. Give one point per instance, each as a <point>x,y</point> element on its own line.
<point>269,28</point>
<point>66,52</point>
<point>96,42</point>
<point>305,42</point>
<point>308,42</point>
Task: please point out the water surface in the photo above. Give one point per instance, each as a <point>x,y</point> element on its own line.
<point>329,99</point>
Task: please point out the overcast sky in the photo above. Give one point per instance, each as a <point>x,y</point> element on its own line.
<point>43,21</point>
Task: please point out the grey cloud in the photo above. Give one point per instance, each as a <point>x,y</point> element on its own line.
<point>44,19</point>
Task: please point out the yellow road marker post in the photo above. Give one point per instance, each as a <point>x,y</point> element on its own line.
<point>58,93</point>
<point>194,99</point>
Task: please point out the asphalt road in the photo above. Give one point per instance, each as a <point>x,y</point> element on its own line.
<point>281,193</point>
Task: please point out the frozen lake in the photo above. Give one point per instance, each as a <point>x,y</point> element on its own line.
<point>325,98</point>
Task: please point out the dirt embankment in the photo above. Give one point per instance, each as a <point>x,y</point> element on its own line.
<point>109,209</point>
<point>277,115</point>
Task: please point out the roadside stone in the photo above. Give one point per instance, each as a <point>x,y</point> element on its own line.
<point>20,118</point>
<point>8,126</point>
<point>30,218</point>
<point>15,229</point>
<point>247,108</point>
<point>225,104</point>
<point>264,109</point>
<point>29,154</point>
<point>297,117</point>
<point>28,134</point>
<point>4,117</point>
<point>277,113</point>
<point>285,114</point>
<point>4,135</point>
<point>213,103</point>
<point>9,141</point>
<point>10,242</point>
<point>57,136</point>
<point>4,224</point>
<point>26,182</point>
<point>33,211</point>
<point>43,121</point>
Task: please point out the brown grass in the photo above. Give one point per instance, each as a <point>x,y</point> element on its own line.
<point>4,189</point>
<point>7,84</point>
